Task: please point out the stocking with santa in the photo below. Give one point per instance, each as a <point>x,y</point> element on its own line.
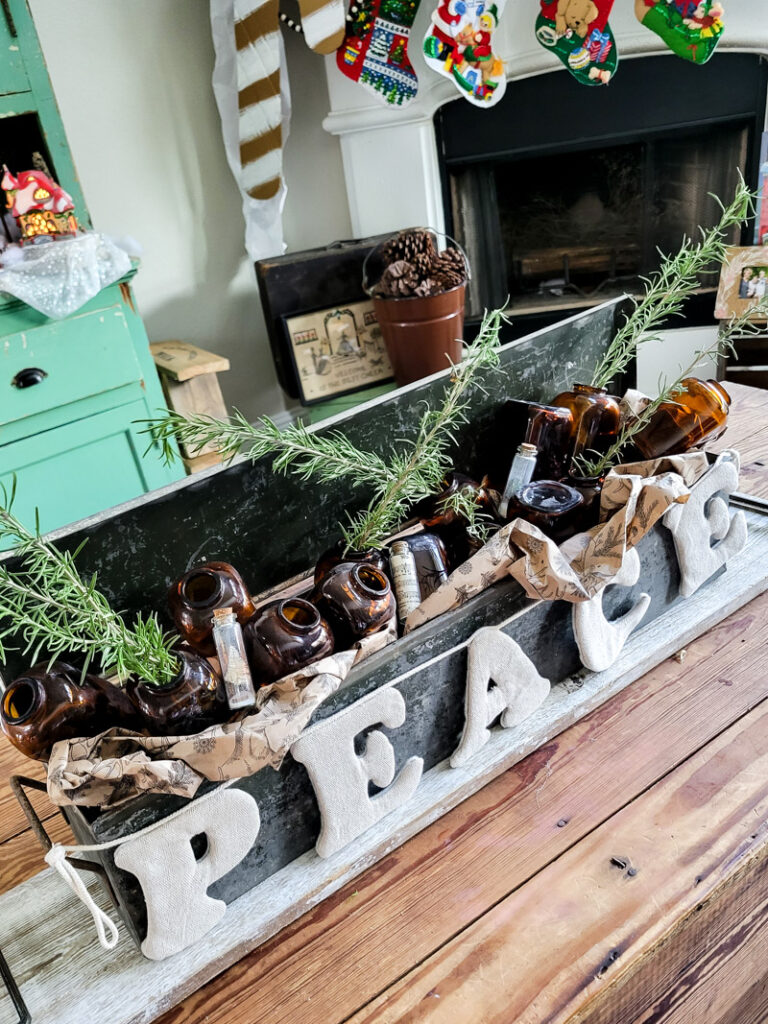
<point>458,45</point>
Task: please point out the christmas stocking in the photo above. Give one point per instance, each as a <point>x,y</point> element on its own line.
<point>375,49</point>
<point>579,33</point>
<point>458,45</point>
<point>690,28</point>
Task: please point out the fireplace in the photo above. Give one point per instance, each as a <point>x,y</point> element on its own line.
<point>563,196</point>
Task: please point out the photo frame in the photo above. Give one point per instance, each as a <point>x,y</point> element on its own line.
<point>336,351</point>
<point>743,280</point>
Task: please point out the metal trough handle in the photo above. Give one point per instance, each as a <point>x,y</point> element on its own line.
<point>18,784</point>
<point>13,991</point>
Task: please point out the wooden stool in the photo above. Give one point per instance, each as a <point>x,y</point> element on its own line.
<point>188,375</point>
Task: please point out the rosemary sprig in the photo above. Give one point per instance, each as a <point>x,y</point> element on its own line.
<point>414,470</point>
<point>53,608</point>
<point>667,289</point>
<point>477,522</point>
<point>742,324</point>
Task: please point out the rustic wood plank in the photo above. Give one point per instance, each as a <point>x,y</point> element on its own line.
<point>545,951</point>
<point>22,856</point>
<point>417,898</point>
<point>180,360</point>
<point>712,967</point>
<point>12,820</point>
<point>746,433</point>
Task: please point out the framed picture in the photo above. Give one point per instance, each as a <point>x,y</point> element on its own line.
<point>743,280</point>
<point>337,351</point>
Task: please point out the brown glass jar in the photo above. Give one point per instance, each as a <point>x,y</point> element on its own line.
<point>431,559</point>
<point>590,488</point>
<point>431,513</point>
<point>550,505</point>
<point>46,705</point>
<point>285,636</point>
<point>596,418</point>
<point>696,413</point>
<point>337,554</point>
<point>356,599</point>
<point>194,597</point>
<point>549,429</point>
<point>193,700</point>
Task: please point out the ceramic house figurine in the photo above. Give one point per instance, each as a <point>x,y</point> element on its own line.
<point>43,210</point>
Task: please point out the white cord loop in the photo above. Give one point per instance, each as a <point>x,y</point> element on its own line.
<point>57,859</point>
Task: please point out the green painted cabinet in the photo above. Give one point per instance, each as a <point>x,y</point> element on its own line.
<point>71,436</point>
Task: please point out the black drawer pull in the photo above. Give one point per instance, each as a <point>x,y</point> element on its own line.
<point>29,377</point>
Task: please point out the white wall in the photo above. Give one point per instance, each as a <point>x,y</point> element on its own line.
<point>132,78</point>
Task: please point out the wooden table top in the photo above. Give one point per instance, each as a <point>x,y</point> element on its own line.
<point>617,875</point>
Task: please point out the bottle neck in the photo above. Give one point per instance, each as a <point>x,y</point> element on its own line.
<point>370,582</point>
<point>22,700</point>
<point>298,616</point>
<point>720,390</point>
<point>202,588</point>
<point>588,389</point>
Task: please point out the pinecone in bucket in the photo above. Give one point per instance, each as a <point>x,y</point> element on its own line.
<point>399,280</point>
<point>406,245</point>
<point>449,269</point>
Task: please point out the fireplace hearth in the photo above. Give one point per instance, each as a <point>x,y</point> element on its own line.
<point>562,203</point>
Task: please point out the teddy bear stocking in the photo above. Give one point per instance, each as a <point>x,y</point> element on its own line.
<point>690,28</point>
<point>458,44</point>
<point>375,49</point>
<point>577,31</point>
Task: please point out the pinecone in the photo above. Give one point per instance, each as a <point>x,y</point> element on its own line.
<point>406,245</point>
<point>429,286</point>
<point>450,264</point>
<point>422,264</point>
<point>398,280</point>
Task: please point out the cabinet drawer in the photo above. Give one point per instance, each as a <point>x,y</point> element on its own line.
<point>82,468</point>
<point>79,357</point>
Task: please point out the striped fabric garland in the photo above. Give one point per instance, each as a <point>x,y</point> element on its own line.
<point>256,25</point>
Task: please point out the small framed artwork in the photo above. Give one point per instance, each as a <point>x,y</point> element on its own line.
<point>337,351</point>
<point>743,281</point>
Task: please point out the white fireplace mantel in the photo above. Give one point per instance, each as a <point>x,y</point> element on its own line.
<point>390,155</point>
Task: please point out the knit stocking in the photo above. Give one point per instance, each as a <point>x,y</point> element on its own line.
<point>577,31</point>
<point>458,45</point>
<point>690,28</point>
<point>375,49</point>
<point>323,23</point>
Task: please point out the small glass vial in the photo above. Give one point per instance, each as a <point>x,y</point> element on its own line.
<point>520,473</point>
<point>405,578</point>
<point>228,638</point>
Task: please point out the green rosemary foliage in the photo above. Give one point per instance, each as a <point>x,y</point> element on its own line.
<point>667,289</point>
<point>743,324</point>
<point>413,471</point>
<point>477,522</point>
<point>419,470</point>
<point>53,608</point>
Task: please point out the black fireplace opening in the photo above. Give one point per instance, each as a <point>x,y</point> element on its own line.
<point>565,196</point>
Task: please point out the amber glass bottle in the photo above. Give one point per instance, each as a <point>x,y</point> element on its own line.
<point>549,429</point>
<point>337,554</point>
<point>285,636</point>
<point>50,704</point>
<point>193,700</point>
<point>194,597</point>
<point>697,412</point>
<point>356,599</point>
<point>596,418</point>
<point>550,505</point>
<point>590,488</point>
